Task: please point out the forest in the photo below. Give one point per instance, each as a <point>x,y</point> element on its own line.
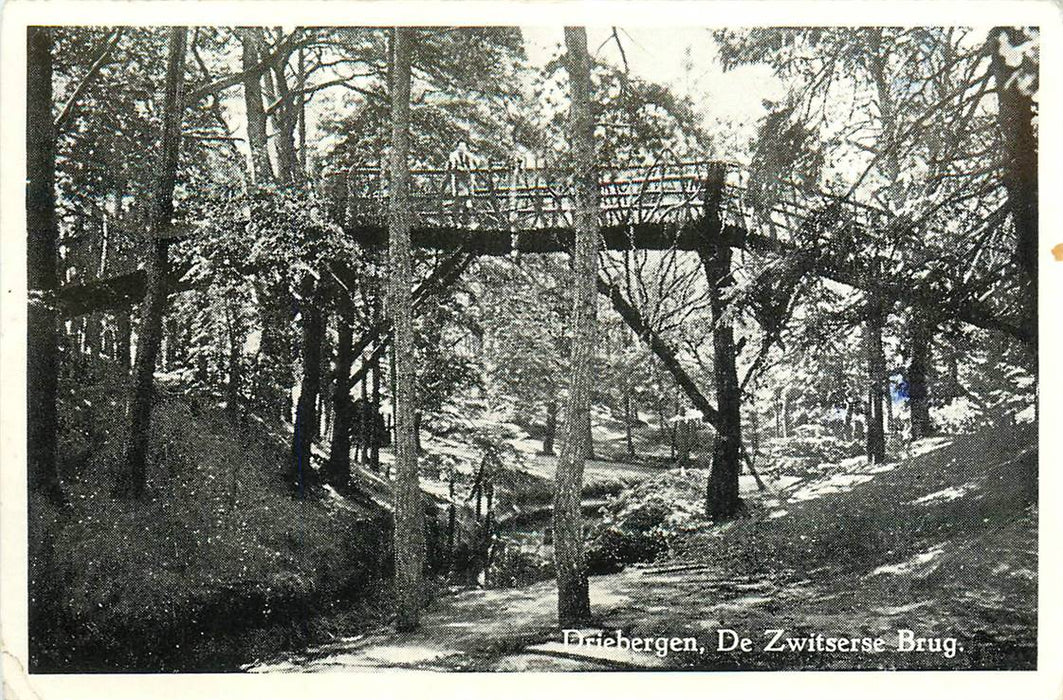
<point>365,348</point>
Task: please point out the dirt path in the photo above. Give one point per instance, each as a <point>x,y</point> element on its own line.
<point>515,630</point>
<point>940,544</point>
<point>506,630</point>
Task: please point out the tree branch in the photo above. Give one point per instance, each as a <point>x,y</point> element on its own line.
<point>668,358</point>
<point>309,90</point>
<point>97,65</point>
<point>283,49</point>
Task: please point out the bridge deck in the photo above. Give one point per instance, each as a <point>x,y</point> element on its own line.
<point>495,210</point>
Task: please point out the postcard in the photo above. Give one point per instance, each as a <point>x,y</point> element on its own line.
<point>463,349</point>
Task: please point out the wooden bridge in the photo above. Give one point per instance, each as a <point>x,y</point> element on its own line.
<point>670,204</point>
<point>498,210</point>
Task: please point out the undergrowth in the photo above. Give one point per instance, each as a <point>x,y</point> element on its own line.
<point>216,565</point>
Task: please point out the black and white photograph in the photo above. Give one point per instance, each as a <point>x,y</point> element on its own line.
<point>559,347</point>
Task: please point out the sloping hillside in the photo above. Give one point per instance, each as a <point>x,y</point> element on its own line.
<point>216,564</point>
<point>944,543</point>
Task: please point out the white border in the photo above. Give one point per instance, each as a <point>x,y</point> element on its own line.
<point>1046,683</point>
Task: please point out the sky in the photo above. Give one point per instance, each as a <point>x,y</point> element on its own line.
<point>682,58</point>
<point>663,56</point>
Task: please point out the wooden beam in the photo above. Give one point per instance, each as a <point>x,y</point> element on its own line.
<point>129,288</point>
<point>687,237</point>
<point>646,236</point>
<point>114,293</point>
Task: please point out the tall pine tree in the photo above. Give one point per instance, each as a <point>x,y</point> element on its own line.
<point>409,511</point>
<point>131,480</point>
<point>573,600</point>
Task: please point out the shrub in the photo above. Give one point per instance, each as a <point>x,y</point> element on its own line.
<point>637,538</point>
<point>511,567</point>
<point>639,524</point>
<point>807,449</point>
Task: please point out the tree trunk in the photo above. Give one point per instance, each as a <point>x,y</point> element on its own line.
<point>375,433</point>
<point>131,480</point>
<point>324,408</point>
<point>683,435</point>
<point>918,381</point>
<point>285,118</point>
<point>487,536</point>
<point>42,255</point>
<point>1015,117</point>
<point>662,422</point>
<point>90,336</point>
<point>452,517</point>
<point>590,437</point>
<point>365,425</point>
<point>721,500</point>
<point>409,510</point>
<point>551,427</point>
<point>358,423</point>
<point>784,412</point>
<point>573,600</point>
<point>301,85</point>
<point>761,486</point>
<point>164,355</point>
<point>262,170</point>
<point>300,474</point>
<point>478,489</point>
<point>338,470</point>
<point>123,340</point>
<point>236,341</point>
<point>391,389</point>
<point>876,370</point>
<point>417,431</point>
<point>628,419</point>
<point>887,402</point>
<point>754,438</point>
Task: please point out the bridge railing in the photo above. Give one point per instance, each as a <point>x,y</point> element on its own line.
<point>519,198</point>
<point>669,192</point>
